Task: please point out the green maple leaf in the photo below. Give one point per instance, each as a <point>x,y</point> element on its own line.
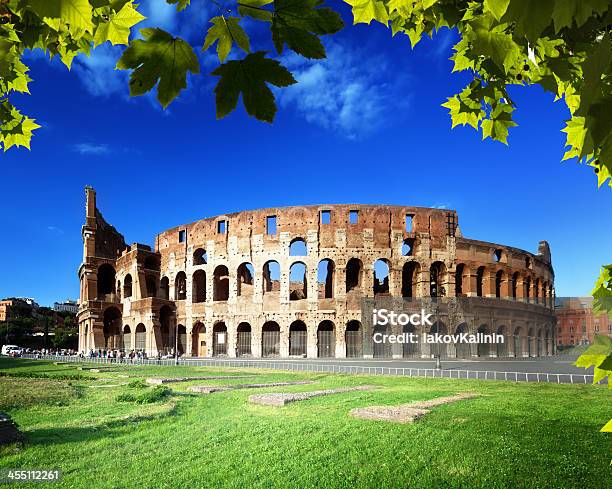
<point>253,8</point>
<point>226,32</point>
<point>180,4</point>
<point>496,7</point>
<point>249,77</point>
<point>365,11</point>
<point>298,23</point>
<point>117,28</point>
<point>77,14</point>
<point>15,129</point>
<point>594,68</point>
<point>566,12</point>
<point>578,140</point>
<point>530,17</point>
<point>497,125</point>
<point>492,41</point>
<point>162,58</point>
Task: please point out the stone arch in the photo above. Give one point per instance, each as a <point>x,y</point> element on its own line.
<point>483,349</point>
<point>127,338</point>
<point>244,279</point>
<point>180,286</point>
<point>515,280</point>
<point>354,274</point>
<point>298,284</point>
<point>198,340</point>
<point>182,339</point>
<point>438,349</point>
<point>198,286</point>
<point>127,286</point>
<point>298,339</point>
<point>501,349</point>
<point>408,247</point>
<point>151,285</point>
<point>519,341</point>
<point>164,334</point>
<point>410,349</point>
<point>106,280</point>
<point>540,343</point>
<point>382,277</point>
<point>326,279</point>
<point>410,277</point>
<point>111,327</point>
<point>462,349</point>
<point>480,281</point>
<point>271,277</point>
<point>243,340</point>
<point>353,339</point>
<point>164,288</point>
<point>221,283</point>
<point>499,280</point>
<point>382,349</point>
<point>437,279</point>
<point>531,342</point>
<point>326,340</point>
<point>200,257</point>
<point>298,247</point>
<point>459,282</point>
<point>270,339</point>
<point>220,339</point>
<point>141,337</point>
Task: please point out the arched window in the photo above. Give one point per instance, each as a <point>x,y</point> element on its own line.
<point>298,247</point>
<point>243,343</point>
<point>527,285</point>
<point>127,338</point>
<point>141,337</point>
<point>515,278</point>
<point>180,286</point>
<point>198,289</point>
<point>221,283</point>
<point>164,288</point>
<point>459,271</point>
<point>536,290</point>
<point>270,339</point>
<point>354,269</point>
<point>353,340</point>
<point>182,339</point>
<point>298,288</point>
<point>198,340</point>
<point>437,273</point>
<point>497,256</point>
<point>246,274</point>
<point>127,286</point>
<point>325,278</point>
<point>167,321</point>
<point>298,339</point>
<point>151,283</point>
<point>326,340</point>
<point>271,277</point>
<point>106,280</point>
<point>499,278</point>
<point>408,247</point>
<point>479,281</point>
<point>219,339</point>
<point>200,257</point>
<point>410,276</point>
<point>381,277</point>
<point>112,328</point>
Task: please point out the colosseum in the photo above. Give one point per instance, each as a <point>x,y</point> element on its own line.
<point>292,281</point>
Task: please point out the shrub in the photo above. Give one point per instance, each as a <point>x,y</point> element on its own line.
<point>137,384</point>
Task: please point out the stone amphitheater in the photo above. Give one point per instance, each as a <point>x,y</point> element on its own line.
<point>292,281</point>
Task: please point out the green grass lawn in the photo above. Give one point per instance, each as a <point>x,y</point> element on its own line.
<point>515,435</point>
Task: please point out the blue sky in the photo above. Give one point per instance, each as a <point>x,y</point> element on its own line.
<point>365,126</point>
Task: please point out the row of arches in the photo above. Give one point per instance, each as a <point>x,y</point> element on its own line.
<point>437,281</point>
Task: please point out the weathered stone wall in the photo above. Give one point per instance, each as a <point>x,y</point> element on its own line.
<point>463,267</point>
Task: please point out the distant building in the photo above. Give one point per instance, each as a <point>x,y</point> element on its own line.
<point>577,324</point>
<point>69,306</point>
<point>5,307</point>
<point>12,302</point>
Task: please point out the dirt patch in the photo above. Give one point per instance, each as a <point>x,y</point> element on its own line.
<point>406,413</point>
<point>279,399</point>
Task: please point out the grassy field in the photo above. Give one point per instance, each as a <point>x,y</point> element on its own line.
<point>512,436</point>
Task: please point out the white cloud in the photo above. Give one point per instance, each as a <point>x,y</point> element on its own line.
<point>97,72</point>
<point>91,149</point>
<point>440,206</point>
<point>344,93</point>
<point>55,230</point>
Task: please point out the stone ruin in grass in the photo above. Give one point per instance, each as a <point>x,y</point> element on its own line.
<point>280,399</point>
<point>406,413</point>
<point>205,389</point>
<point>156,381</point>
